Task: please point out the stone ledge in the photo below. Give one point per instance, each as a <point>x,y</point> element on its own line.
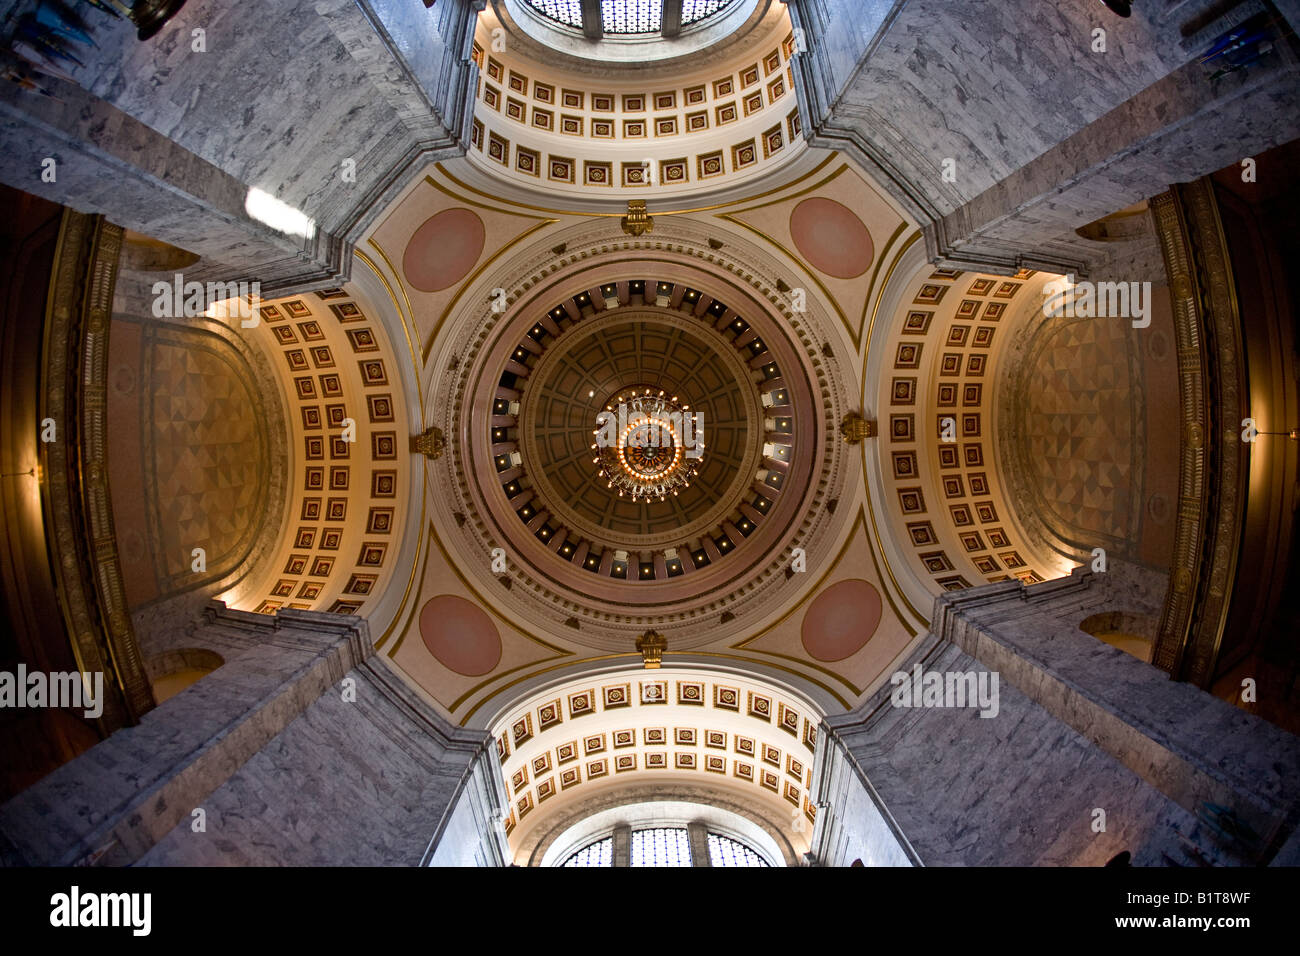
<point>114,802</point>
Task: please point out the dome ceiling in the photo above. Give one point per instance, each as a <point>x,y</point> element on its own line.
<point>542,120</point>
<point>755,315</point>
<point>570,387</point>
<point>543,396</point>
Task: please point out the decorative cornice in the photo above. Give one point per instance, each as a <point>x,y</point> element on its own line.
<point>74,467</point>
<point>532,598</point>
<point>1212,404</point>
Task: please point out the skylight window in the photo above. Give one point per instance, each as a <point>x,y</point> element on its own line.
<point>695,10</point>
<point>632,16</point>
<point>627,17</point>
<point>568,12</point>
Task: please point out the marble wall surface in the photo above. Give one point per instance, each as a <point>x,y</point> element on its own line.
<point>1043,132</point>
<point>328,106</point>
<point>370,782</point>
<point>853,824</point>
<point>1081,727</point>
<point>302,748</point>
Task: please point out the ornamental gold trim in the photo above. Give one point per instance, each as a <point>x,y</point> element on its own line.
<point>75,495</point>
<point>1212,473</point>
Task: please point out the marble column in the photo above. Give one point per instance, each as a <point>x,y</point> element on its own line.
<point>698,834</point>
<point>330,106</point>
<point>1090,752</point>
<point>303,749</point>
<point>1002,127</point>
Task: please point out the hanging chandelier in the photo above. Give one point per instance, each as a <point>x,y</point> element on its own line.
<point>647,446</point>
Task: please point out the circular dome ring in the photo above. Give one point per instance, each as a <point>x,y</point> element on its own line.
<point>734,368</point>
<point>703,585</point>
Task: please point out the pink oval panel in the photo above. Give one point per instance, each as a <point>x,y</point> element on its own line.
<point>832,238</point>
<point>841,620</point>
<point>443,250</point>
<point>460,635</point>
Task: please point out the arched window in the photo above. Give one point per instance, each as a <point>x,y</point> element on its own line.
<point>724,851</point>
<point>662,846</point>
<point>696,844</point>
<point>600,853</point>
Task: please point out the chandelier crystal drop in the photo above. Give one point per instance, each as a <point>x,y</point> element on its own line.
<point>647,446</point>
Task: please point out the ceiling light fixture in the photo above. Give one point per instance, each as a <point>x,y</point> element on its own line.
<point>650,448</point>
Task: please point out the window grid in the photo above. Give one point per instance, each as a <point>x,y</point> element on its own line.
<point>600,853</point>
<point>724,851</point>
<point>662,846</point>
<point>632,16</point>
<point>628,16</point>
<point>695,10</point>
<point>568,12</point>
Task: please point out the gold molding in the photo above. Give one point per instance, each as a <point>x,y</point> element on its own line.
<point>75,494</point>
<point>1212,390</point>
<point>866,485</point>
<point>864,330</point>
<point>401,315</point>
<point>812,592</point>
<point>842,168</point>
<point>619,215</point>
<point>437,326</point>
<point>811,273</point>
<point>560,652</point>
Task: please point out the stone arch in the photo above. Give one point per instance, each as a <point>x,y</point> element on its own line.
<point>655,793</point>
<point>1130,631</point>
<point>199,461</point>
<point>172,671</point>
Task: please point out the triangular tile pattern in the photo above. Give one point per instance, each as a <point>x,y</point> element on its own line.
<point>207,456</point>
<point>1080,424</point>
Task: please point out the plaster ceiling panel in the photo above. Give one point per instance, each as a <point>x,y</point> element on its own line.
<point>433,244</point>
<point>506,645</point>
<point>839,231</point>
<point>846,610</point>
